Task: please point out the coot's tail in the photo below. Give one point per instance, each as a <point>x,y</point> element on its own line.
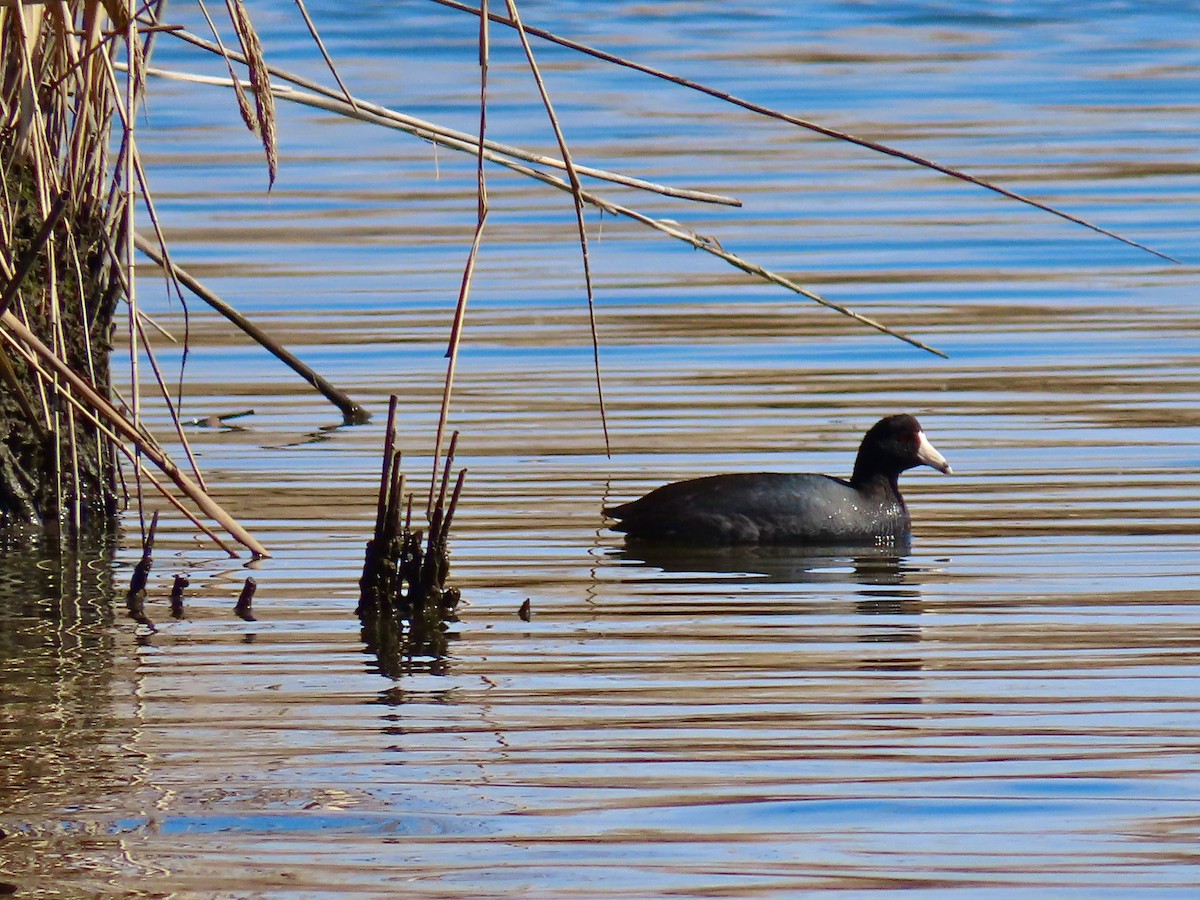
<point>620,511</point>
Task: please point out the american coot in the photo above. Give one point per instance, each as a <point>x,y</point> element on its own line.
<point>774,508</point>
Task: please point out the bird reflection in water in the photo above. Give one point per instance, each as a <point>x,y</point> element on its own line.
<point>887,581</point>
<point>880,567</point>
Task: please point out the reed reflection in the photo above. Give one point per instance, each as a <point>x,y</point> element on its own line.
<point>402,646</point>
<point>62,680</point>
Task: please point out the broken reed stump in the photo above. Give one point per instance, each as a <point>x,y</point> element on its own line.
<point>181,581</point>
<point>403,588</point>
<point>135,598</point>
<point>242,609</point>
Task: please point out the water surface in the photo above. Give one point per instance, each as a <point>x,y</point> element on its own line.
<point>1008,709</point>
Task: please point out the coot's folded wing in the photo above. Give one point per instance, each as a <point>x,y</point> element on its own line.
<point>743,508</point>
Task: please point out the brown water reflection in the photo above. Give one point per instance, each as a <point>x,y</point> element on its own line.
<point>67,713</point>
<point>1007,710</point>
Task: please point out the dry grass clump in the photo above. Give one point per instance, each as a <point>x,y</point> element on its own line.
<point>71,73</point>
<point>60,223</point>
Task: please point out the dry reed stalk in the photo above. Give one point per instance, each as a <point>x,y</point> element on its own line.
<point>115,442</point>
<point>577,199</point>
<point>352,413</point>
<point>712,246</point>
<point>14,330</point>
<point>464,290</point>
<point>140,321</point>
<point>50,100</point>
<point>128,150</point>
<point>59,98</point>
<point>172,407</point>
<point>125,271</point>
<point>312,30</point>
<point>664,226</point>
<point>321,97</point>
<point>814,127</point>
<point>390,462</point>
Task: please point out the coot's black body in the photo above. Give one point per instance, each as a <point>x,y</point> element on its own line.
<point>778,508</point>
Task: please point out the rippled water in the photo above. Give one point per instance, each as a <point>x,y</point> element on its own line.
<point>1008,710</point>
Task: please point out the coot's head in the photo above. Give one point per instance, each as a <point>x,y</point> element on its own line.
<point>894,444</point>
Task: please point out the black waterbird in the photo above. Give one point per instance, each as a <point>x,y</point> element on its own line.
<point>798,509</point>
